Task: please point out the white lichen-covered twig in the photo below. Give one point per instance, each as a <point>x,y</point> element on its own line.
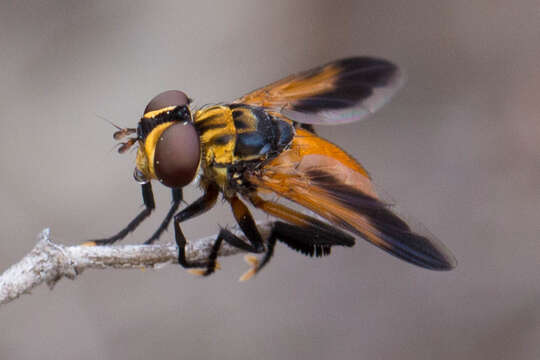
<point>49,262</point>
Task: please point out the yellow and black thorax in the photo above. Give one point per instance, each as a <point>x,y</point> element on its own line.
<point>235,138</point>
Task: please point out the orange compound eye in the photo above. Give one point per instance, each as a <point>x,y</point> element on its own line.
<point>177,155</point>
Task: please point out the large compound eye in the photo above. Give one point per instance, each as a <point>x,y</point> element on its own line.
<point>177,155</point>
<point>166,99</point>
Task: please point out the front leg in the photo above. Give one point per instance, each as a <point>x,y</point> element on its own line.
<point>200,206</point>
<point>176,200</point>
<point>149,205</point>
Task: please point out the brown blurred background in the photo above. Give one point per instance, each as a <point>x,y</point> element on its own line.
<point>459,148</point>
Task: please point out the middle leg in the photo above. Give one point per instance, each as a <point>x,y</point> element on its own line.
<point>249,228</point>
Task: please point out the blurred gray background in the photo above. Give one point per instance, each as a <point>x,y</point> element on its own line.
<point>458,147</point>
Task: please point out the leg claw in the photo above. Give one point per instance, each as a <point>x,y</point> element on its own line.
<point>254,263</point>
<point>198,272</point>
<point>201,271</point>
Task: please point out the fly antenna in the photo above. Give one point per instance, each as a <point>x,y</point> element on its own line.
<point>122,132</point>
<point>109,121</point>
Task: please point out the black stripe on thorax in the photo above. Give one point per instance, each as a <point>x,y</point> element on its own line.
<point>215,121</point>
<point>221,139</point>
<point>204,126</point>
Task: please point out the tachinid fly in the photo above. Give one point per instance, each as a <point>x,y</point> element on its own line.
<point>264,144</point>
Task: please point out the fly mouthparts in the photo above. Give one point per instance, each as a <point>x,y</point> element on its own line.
<point>123,133</point>
<point>125,146</point>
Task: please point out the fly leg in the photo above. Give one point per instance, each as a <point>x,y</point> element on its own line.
<point>176,200</point>
<point>300,232</point>
<point>200,206</point>
<point>249,228</point>
<point>149,205</point>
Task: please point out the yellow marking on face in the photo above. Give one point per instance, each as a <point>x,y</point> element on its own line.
<point>145,154</point>
<point>141,162</point>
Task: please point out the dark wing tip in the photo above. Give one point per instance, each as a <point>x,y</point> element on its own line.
<point>446,262</point>
<point>401,241</point>
<point>372,71</point>
<point>359,86</point>
<point>419,248</point>
<point>383,226</point>
<point>424,252</point>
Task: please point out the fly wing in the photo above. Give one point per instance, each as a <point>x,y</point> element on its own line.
<point>341,91</point>
<point>321,177</point>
